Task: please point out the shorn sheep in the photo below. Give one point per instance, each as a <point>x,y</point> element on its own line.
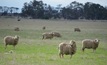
<point>47,35</point>
<point>77,30</point>
<point>10,40</point>
<point>90,44</point>
<point>67,48</point>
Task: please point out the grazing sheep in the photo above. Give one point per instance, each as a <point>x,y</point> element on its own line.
<point>43,27</point>
<point>10,40</point>
<point>56,34</point>
<point>16,29</point>
<point>18,19</point>
<point>47,35</point>
<point>67,48</point>
<point>77,30</point>
<point>90,44</point>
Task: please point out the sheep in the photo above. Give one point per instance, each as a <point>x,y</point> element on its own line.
<point>43,27</point>
<point>77,30</point>
<point>10,40</point>
<point>47,36</point>
<point>90,44</point>
<point>67,48</point>
<point>16,29</point>
<point>56,34</point>
<point>18,19</point>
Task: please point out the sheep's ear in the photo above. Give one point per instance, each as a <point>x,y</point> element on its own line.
<point>73,42</point>
<point>16,37</point>
<point>70,42</point>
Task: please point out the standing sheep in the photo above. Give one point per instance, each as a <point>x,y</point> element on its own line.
<point>77,30</point>
<point>10,40</point>
<point>18,19</point>
<point>90,44</point>
<point>47,35</point>
<point>67,48</point>
<point>16,29</point>
<point>56,34</point>
<point>43,27</point>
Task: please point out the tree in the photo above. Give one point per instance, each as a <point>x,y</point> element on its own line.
<point>73,11</point>
<point>1,10</point>
<point>47,11</point>
<point>5,10</point>
<point>34,9</point>
<point>94,11</point>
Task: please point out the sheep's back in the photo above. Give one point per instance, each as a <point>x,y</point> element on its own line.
<point>8,40</point>
<point>87,43</point>
<point>65,48</point>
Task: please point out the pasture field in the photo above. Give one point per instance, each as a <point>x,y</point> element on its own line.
<point>32,50</point>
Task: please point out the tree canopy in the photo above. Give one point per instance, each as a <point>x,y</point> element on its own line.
<point>75,10</point>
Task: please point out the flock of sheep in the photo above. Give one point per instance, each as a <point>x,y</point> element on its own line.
<point>70,48</point>
<point>64,47</point>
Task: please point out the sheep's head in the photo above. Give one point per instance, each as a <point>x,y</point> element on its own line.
<point>96,41</point>
<point>73,43</point>
<point>16,38</point>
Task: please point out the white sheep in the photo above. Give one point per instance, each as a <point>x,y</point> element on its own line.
<point>47,35</point>
<point>90,44</point>
<point>67,48</point>
<point>10,40</point>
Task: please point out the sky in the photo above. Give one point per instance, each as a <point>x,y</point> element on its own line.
<point>19,3</point>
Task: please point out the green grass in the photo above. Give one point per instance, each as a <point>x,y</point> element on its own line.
<point>32,50</point>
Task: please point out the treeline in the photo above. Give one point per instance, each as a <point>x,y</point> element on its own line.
<point>8,11</point>
<point>75,10</point>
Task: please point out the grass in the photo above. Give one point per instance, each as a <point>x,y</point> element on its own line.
<point>32,50</point>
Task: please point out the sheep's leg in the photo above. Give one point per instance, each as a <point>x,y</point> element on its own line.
<point>43,38</point>
<point>94,50</point>
<point>60,55</point>
<point>5,46</point>
<point>83,49</point>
